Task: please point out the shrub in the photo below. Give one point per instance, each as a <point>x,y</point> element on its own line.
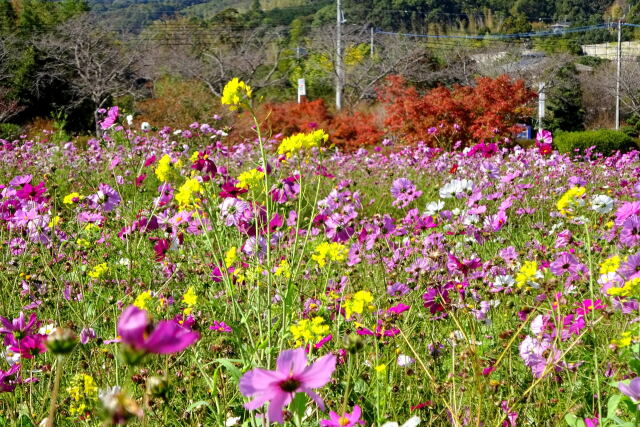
<point>351,131</point>
<point>605,141</point>
<point>9,131</point>
<point>347,130</point>
<point>490,109</point>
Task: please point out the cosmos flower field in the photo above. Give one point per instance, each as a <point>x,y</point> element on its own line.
<point>168,277</point>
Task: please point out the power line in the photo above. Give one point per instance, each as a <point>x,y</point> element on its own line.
<point>501,36</point>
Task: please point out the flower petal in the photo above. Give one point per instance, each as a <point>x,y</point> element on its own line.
<point>292,361</point>
<point>280,399</point>
<point>259,381</point>
<point>319,373</point>
<point>169,337</point>
<point>131,326</point>
<point>314,396</point>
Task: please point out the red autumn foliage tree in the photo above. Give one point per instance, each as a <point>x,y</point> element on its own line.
<point>349,131</point>
<point>489,110</point>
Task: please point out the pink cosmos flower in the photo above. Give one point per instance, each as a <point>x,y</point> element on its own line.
<point>110,120</point>
<point>292,375</point>
<point>632,389</point>
<point>345,420</point>
<point>544,136</point>
<point>138,333</point>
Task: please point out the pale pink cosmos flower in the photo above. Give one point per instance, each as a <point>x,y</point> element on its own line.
<point>292,375</point>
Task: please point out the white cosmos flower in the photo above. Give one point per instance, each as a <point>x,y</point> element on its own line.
<point>602,204</point>
<point>129,119</point>
<point>145,126</point>
<point>411,422</point>
<point>434,207</point>
<point>504,281</point>
<point>404,360</point>
<point>455,188</point>
<point>232,421</point>
<point>47,330</point>
<point>11,356</point>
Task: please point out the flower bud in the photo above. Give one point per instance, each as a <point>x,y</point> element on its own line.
<point>61,341</point>
<point>354,343</point>
<point>157,386</point>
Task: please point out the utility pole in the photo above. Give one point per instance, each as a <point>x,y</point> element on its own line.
<point>338,56</point>
<point>372,42</point>
<point>619,61</point>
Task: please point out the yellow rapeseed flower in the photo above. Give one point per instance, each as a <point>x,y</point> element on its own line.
<point>631,288</point>
<point>72,198</point>
<point>164,169</point>
<point>301,141</point>
<point>250,178</point>
<point>357,303</point>
<point>283,269</point>
<point>235,94</point>
<point>231,256</point>
<point>190,297</point>
<point>570,200</point>
<point>186,192</point>
<point>141,300</point>
<point>306,330</point>
<point>333,251</point>
<point>98,271</point>
<point>610,265</point>
<point>527,272</point>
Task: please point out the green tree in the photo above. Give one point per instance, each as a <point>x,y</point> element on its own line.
<point>564,101</point>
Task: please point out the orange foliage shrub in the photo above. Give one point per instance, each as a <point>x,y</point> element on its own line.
<point>490,109</point>
<point>355,130</point>
<point>178,103</point>
<point>346,130</point>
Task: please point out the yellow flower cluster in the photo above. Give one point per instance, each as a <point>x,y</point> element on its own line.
<point>570,200</point>
<point>527,273</point>
<point>235,93</point>
<point>283,269</point>
<point>301,141</point>
<point>250,178</point>
<point>631,288</point>
<point>166,170</point>
<point>54,221</point>
<point>231,256</point>
<point>190,298</point>
<point>72,198</point>
<point>332,251</point>
<point>357,303</point>
<point>141,300</point>
<point>84,393</point>
<point>309,330</point>
<point>625,339</point>
<point>98,271</point>
<point>186,192</point>
<point>610,265</point>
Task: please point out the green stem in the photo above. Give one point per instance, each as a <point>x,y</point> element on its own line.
<point>593,312</point>
<point>54,395</point>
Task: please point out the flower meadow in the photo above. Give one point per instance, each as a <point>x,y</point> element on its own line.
<point>169,277</point>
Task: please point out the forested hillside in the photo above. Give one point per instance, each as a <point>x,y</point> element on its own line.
<point>484,15</point>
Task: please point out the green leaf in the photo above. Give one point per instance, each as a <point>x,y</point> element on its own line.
<point>612,405</point>
<point>570,419</point>
<point>299,404</point>
<point>635,365</point>
<point>233,369</point>
<point>196,405</point>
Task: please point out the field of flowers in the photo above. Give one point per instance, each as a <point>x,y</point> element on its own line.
<point>165,277</point>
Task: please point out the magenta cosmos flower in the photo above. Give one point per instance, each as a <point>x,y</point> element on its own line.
<point>292,375</point>
<point>346,420</point>
<point>139,334</point>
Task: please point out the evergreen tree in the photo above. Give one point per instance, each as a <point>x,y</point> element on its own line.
<point>564,102</point>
